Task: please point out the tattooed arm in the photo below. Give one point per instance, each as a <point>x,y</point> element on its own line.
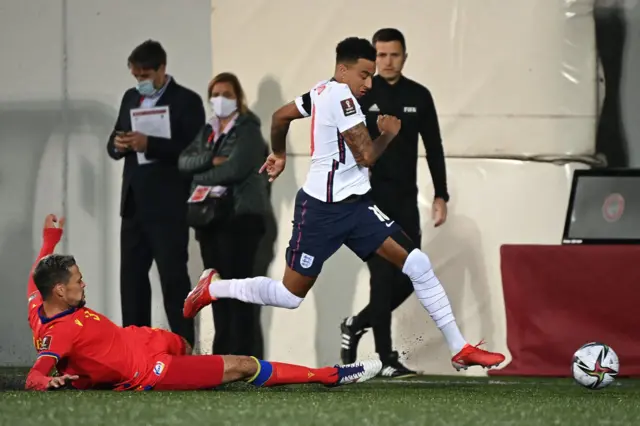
<point>351,123</point>
<point>364,150</point>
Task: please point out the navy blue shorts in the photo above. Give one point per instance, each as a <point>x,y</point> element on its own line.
<point>320,229</point>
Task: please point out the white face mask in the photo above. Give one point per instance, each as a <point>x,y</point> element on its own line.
<point>223,107</point>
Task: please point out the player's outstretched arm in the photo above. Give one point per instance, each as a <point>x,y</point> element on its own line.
<point>280,122</point>
<point>364,150</point>
<point>56,344</point>
<point>38,378</point>
<point>51,234</point>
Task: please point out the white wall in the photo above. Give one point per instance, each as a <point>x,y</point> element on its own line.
<point>509,78</point>
<point>64,71</point>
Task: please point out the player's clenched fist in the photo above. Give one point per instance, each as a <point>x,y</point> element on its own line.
<point>61,381</point>
<point>274,165</point>
<point>52,221</point>
<point>388,124</point>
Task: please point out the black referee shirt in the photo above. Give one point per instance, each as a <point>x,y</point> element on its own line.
<point>394,175</point>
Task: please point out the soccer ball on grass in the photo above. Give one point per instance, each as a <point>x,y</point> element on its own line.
<point>595,365</point>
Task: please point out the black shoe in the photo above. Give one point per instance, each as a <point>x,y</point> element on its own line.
<point>392,368</point>
<point>350,339</point>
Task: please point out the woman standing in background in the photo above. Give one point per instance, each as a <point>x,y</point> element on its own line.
<point>227,207</point>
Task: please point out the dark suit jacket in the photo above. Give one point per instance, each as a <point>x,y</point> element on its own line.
<point>158,189</point>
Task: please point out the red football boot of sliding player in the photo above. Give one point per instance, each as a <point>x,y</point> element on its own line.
<point>473,355</point>
<point>200,296</point>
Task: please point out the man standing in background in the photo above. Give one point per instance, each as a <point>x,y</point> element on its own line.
<point>395,191</point>
<point>154,193</point>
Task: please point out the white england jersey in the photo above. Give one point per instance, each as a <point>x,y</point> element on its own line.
<point>334,174</point>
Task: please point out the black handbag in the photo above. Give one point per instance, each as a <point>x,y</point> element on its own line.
<point>211,209</point>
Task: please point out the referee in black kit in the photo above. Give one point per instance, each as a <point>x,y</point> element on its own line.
<point>395,191</point>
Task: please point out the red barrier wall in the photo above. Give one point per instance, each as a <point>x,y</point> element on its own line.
<point>558,298</point>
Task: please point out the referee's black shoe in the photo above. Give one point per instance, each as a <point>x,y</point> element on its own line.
<point>350,339</point>
<point>393,368</point>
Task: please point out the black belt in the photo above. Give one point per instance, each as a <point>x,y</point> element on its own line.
<point>353,198</point>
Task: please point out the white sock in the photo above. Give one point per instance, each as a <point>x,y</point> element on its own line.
<point>258,290</point>
<point>433,297</point>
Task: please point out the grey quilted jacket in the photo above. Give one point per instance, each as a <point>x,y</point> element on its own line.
<point>246,150</point>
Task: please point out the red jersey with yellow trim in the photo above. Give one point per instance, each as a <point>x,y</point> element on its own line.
<point>103,354</point>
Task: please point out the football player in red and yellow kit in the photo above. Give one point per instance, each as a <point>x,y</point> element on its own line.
<point>89,351</point>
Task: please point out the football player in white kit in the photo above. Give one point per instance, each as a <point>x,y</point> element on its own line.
<point>334,206</point>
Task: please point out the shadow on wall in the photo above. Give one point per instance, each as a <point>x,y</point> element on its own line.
<point>269,99</point>
<point>610,29</point>
<point>33,137</point>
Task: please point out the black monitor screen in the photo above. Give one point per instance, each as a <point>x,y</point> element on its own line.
<point>604,208</point>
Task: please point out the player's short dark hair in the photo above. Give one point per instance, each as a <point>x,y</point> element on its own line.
<point>351,49</point>
<point>52,270</point>
<point>389,34</point>
<point>149,55</point>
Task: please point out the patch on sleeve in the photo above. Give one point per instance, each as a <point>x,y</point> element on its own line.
<point>159,368</point>
<point>45,344</point>
<point>348,107</point>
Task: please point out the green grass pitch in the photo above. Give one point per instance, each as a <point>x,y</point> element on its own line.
<point>433,401</point>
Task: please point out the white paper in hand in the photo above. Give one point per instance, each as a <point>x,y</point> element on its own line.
<point>154,122</point>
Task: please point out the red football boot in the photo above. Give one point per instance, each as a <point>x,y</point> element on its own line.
<point>200,296</point>
<point>473,355</point>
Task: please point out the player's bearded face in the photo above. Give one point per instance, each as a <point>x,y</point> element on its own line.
<point>74,289</point>
<point>358,76</point>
